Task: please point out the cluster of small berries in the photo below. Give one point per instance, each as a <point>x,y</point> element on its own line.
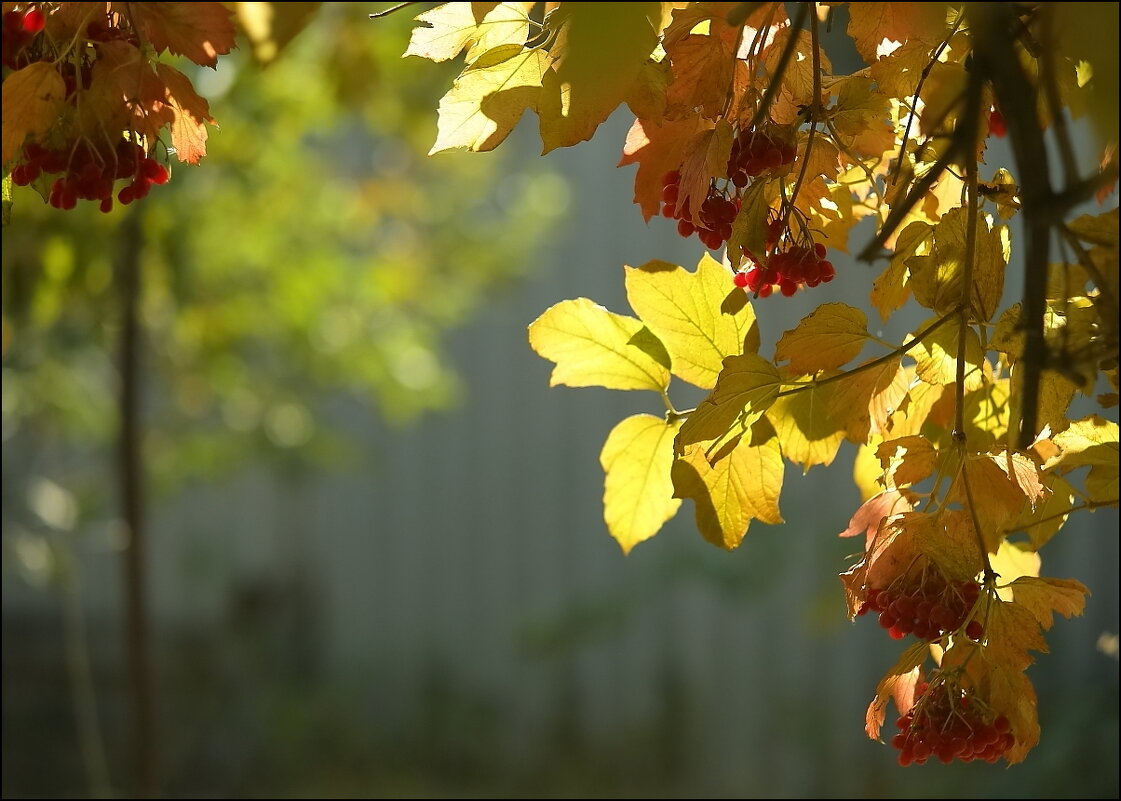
<point>20,27</point>
<point>929,610</point>
<point>786,270</point>
<point>944,724</point>
<point>86,173</point>
<point>753,153</point>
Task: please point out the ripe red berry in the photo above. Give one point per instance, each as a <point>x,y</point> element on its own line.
<point>34,20</point>
<point>997,126</point>
<point>975,630</point>
<point>740,280</point>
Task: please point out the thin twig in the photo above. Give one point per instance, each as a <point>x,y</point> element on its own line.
<point>388,11</point>
<point>780,67</point>
<point>814,107</point>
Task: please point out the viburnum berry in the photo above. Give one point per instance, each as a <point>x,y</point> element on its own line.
<point>925,605</point>
<point>946,722</point>
<point>740,279</point>
<point>997,126</point>
<point>33,21</point>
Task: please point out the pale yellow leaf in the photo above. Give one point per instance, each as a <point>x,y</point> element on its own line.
<point>745,388</point>
<point>637,490</point>
<point>700,316</point>
<point>488,98</point>
<point>936,357</point>
<point>593,347</point>
<point>446,30</point>
<point>1045,596</point>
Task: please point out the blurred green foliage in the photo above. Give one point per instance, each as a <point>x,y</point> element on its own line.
<point>315,252</point>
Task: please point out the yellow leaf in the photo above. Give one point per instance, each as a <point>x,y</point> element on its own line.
<point>807,429</point>
<point>597,55</point>
<point>1049,515</point>
<point>861,117</point>
<point>936,357</point>
<point>936,279</point>
<point>745,388</point>
<point>449,28</point>
<point>488,98</point>
<point>727,496</point>
<point>593,347</point>
<point>1090,441</point>
<point>866,471</point>
<point>637,490</point>
<point>700,316</point>
<point>870,24</point>
<point>996,673</point>
<point>1011,561</point>
<point>997,487</point>
<point>32,99</point>
<point>828,337</point>
<point>1045,596</point>
<point>891,289</point>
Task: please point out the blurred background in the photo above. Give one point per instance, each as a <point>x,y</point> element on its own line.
<point>376,559</point>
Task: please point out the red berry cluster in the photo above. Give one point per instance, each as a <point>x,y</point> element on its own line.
<point>944,724</point>
<point>89,174</point>
<point>929,610</point>
<point>20,27</point>
<point>787,269</point>
<point>753,153</point>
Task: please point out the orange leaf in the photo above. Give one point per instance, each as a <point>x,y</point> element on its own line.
<point>199,31</point>
<point>656,150</point>
<point>190,115</point>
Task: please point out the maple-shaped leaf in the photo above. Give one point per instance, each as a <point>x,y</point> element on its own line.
<point>637,491</point>
<point>827,337</point>
<point>892,288</point>
<point>871,24</point>
<point>190,114</point>
<point>450,28</point>
<point>747,385</point>
<point>1043,597</point>
<point>897,74</point>
<point>808,429</point>
<point>1090,441</point>
<point>741,487</point>
<point>937,354</point>
<point>936,278</point>
<point>32,97</point>
<point>596,56</point>
<point>657,149</point>
<point>698,316</point>
<point>593,347</point>
<point>488,98</point>
<point>903,668</point>
<point>199,31</point>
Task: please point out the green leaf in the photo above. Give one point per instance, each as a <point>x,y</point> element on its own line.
<point>637,491</point>
<point>741,487</point>
<point>488,98</point>
<point>745,388</point>
<point>597,348</point>
<point>700,316</point>
<point>827,337</point>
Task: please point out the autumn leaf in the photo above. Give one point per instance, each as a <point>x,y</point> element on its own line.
<point>269,27</point>
<point>872,512</point>
<point>728,495</point>
<point>892,288</point>
<point>808,430</point>
<point>190,114</point>
<point>1045,596</point>
<point>860,117</point>
<point>885,690</point>
<point>450,28</point>
<point>996,487</point>
<point>936,278</point>
<point>828,337</point>
<point>936,357</point>
<point>689,313</point>
<point>871,24</point>
<point>597,55</point>
<point>1090,441</point>
<point>488,98</point>
<point>637,491</point>
<point>32,99</point>
<point>199,31</point>
<point>746,387</point>
<point>907,460</point>
<point>657,150</point>
<point>593,347</point>
<point>1049,515</point>
<point>702,71</point>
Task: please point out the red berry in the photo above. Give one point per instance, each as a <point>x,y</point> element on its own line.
<point>669,193</point>
<point>685,228</point>
<point>740,280</point>
<point>106,205</point>
<point>997,126</point>
<point>975,630</point>
<point>1002,725</point>
<point>33,21</point>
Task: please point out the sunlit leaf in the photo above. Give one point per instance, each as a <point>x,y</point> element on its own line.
<point>637,491</point>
